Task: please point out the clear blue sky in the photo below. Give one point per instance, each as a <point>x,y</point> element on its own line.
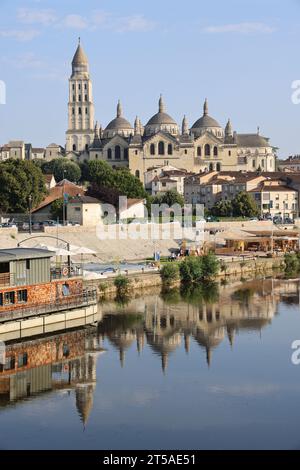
<point>241,55</point>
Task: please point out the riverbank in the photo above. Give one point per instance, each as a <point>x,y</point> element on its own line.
<point>247,268</point>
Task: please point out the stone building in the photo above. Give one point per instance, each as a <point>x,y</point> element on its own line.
<point>206,146</point>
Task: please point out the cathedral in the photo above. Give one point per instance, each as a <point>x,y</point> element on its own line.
<point>205,146</point>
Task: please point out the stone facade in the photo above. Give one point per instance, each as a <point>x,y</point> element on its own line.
<point>206,146</point>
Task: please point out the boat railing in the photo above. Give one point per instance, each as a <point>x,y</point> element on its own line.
<point>85,298</point>
<point>65,271</point>
<point>6,279</point>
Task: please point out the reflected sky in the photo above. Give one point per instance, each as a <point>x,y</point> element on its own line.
<point>190,370</point>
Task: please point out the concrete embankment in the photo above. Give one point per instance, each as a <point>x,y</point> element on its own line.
<point>247,268</point>
<point>150,238</point>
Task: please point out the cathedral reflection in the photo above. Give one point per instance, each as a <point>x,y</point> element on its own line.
<point>160,323</point>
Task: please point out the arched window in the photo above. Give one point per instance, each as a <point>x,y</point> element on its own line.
<point>126,154</point>
<point>137,173</point>
<point>74,147</point>
<point>207,150</point>
<point>218,167</point>
<point>86,147</point>
<point>211,167</point>
<point>161,148</point>
<point>117,152</point>
<point>109,154</point>
<point>79,110</point>
<point>73,111</point>
<point>170,149</point>
<point>199,151</point>
<point>86,111</point>
<point>215,151</point>
<point>152,149</point>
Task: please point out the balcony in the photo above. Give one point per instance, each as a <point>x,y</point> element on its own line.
<point>84,299</point>
<point>6,279</point>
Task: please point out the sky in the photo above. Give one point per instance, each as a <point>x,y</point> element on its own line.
<point>243,55</point>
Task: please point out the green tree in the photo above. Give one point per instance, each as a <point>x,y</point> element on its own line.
<point>191,270</point>
<point>243,205</point>
<point>121,180</point>
<point>169,273</point>
<point>128,185</point>
<point>57,208</point>
<point>222,209</point>
<point>20,181</point>
<point>210,266</point>
<point>169,197</point>
<point>66,169</point>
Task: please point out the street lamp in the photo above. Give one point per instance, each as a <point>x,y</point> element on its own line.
<point>30,215</point>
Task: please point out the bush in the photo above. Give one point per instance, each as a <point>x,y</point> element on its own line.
<point>169,273</point>
<point>196,269</point>
<point>122,285</point>
<point>292,262</point>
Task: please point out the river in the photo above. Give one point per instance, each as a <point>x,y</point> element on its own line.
<point>204,369</point>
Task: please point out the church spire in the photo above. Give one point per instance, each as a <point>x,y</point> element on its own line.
<point>185,126</point>
<point>228,129</point>
<point>137,126</point>
<point>119,109</point>
<point>161,105</point>
<point>205,107</point>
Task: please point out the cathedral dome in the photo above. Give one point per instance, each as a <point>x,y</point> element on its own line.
<point>207,123</point>
<point>161,121</point>
<point>119,125</point>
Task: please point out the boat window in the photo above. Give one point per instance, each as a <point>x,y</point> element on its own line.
<point>22,360</point>
<point>9,298</point>
<point>65,290</point>
<point>22,296</point>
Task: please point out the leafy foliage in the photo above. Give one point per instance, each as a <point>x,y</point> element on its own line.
<point>122,285</point>
<point>20,180</point>
<point>57,208</point>
<point>242,205</point>
<point>197,269</point>
<point>61,168</point>
<point>169,197</point>
<point>169,272</point>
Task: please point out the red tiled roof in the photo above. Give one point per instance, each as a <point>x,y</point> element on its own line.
<point>63,187</point>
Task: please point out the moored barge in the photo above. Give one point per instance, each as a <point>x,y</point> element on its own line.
<point>31,286</point>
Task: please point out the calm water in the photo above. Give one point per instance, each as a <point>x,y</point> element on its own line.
<point>209,370</point>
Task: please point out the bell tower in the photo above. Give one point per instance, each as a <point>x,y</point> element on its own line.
<point>80,133</point>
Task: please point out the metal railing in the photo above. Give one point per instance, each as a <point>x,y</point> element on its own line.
<point>5,279</point>
<point>65,271</point>
<point>84,299</point>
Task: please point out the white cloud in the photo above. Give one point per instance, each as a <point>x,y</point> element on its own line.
<point>30,16</point>
<point>75,22</point>
<point>19,35</point>
<point>26,60</point>
<point>134,23</point>
<point>241,28</point>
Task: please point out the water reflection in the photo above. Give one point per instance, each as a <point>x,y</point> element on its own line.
<point>207,314</point>
<point>66,361</point>
<point>160,322</point>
